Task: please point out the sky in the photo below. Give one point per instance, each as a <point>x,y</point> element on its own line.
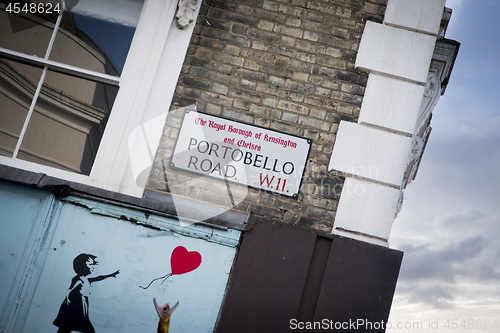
<point>449,227</point>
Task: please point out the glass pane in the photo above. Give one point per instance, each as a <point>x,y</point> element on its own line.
<point>68,122</point>
<point>25,33</point>
<point>18,83</point>
<point>96,35</point>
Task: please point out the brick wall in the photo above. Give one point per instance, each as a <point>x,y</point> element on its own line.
<point>286,65</point>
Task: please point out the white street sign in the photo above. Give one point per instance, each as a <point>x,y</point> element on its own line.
<point>241,153</point>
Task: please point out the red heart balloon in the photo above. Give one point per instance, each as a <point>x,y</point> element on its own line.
<point>183,261</point>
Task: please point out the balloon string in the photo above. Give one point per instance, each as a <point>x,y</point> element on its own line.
<point>163,277</point>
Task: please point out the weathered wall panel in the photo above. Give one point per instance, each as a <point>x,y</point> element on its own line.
<point>130,256</point>
<point>19,209</point>
<point>26,226</point>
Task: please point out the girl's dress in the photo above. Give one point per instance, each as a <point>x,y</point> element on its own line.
<point>75,315</point>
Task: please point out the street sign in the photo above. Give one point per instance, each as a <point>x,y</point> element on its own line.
<point>245,154</point>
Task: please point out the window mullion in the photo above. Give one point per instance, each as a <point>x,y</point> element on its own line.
<point>30,112</point>
<point>40,83</point>
<point>60,67</point>
<point>54,32</point>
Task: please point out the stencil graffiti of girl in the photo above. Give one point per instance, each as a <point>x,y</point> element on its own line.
<point>74,312</point>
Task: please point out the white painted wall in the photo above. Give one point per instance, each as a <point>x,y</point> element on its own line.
<point>374,152</point>
<point>363,201</point>
<point>420,15</point>
<point>397,52</point>
<point>391,103</point>
<point>370,153</point>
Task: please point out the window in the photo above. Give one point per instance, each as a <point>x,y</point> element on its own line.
<point>59,77</point>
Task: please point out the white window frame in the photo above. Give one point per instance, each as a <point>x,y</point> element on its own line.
<point>146,88</point>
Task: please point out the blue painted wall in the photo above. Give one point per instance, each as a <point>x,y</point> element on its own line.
<point>122,240</point>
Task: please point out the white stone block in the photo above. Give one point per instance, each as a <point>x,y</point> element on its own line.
<point>395,51</point>
<point>391,103</point>
<point>421,15</point>
<point>370,153</point>
<point>366,208</point>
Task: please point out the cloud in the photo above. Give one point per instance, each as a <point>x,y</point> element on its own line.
<point>449,227</point>
<point>436,296</point>
<point>461,167</point>
<point>424,263</point>
<point>459,259</point>
<point>462,219</point>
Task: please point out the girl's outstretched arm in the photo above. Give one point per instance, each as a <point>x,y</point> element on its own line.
<point>102,277</point>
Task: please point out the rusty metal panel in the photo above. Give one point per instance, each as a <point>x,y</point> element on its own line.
<point>268,278</point>
<point>358,285</point>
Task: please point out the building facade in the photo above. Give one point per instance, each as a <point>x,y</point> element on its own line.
<point>245,158</point>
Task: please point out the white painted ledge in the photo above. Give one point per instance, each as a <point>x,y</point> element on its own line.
<point>366,208</point>
<point>391,103</point>
<point>370,153</point>
<point>420,15</point>
<point>40,168</point>
<point>401,53</point>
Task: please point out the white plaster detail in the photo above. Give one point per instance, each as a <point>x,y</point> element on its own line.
<point>416,149</point>
<point>420,15</point>
<point>431,96</point>
<point>370,153</point>
<point>399,205</point>
<point>391,103</point>
<point>415,156</point>
<point>186,12</point>
<point>367,208</point>
<point>445,20</point>
<point>401,53</point>
<point>422,129</point>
